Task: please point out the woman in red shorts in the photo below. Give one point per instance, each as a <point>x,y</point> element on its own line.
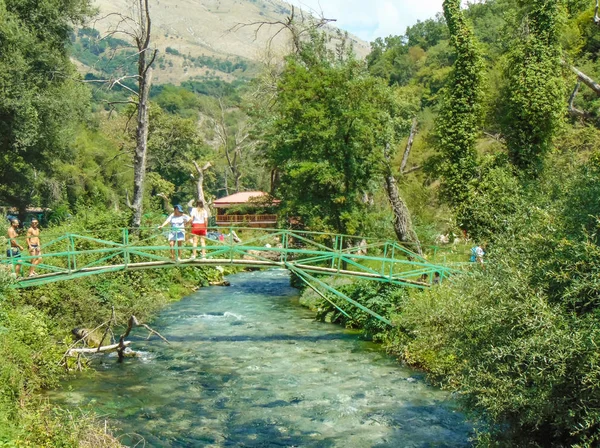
<point>199,226</point>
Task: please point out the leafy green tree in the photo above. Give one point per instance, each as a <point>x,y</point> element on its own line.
<point>174,143</point>
<point>39,101</point>
<point>331,124</point>
<point>534,96</point>
<point>459,118</point>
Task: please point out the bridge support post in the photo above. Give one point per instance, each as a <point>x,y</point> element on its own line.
<point>385,251</point>
<point>71,259</point>
<point>339,252</point>
<point>335,248</point>
<point>126,247</point>
<point>307,276</point>
<point>284,243</point>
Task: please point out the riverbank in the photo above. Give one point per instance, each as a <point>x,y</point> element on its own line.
<point>36,324</point>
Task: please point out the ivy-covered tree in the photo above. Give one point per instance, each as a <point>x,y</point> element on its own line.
<point>534,96</point>
<point>459,118</point>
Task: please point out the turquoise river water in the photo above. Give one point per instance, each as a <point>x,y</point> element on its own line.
<point>249,367</point>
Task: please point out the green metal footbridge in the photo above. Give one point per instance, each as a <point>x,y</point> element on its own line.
<point>310,255</point>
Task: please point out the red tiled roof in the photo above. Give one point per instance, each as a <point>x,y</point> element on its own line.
<point>242,198</point>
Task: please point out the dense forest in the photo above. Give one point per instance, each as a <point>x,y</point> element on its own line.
<point>482,121</point>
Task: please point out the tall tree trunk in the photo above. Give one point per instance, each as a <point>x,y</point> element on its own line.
<point>402,223</point>
<point>200,184</point>
<point>141,148</point>
<point>145,61</point>
<point>409,144</point>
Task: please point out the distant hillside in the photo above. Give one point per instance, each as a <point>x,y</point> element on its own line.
<point>194,37</point>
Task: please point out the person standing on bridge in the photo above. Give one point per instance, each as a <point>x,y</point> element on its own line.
<point>14,248</point>
<point>177,220</point>
<point>199,227</point>
<point>34,245</point>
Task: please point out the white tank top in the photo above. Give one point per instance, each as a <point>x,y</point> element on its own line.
<point>199,215</point>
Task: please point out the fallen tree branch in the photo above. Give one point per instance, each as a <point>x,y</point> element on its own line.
<point>586,80</point>
<point>103,349</point>
<point>575,112</point>
<point>113,320</point>
<point>413,169</point>
<point>131,323</point>
<point>119,347</point>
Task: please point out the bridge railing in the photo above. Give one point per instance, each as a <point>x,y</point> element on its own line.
<point>85,253</point>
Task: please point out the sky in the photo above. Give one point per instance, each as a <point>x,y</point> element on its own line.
<point>369,19</point>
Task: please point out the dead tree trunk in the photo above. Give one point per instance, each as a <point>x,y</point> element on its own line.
<point>575,112</point>
<point>133,322</point>
<point>200,181</point>
<point>141,149</point>
<point>587,80</point>
<point>411,139</point>
<point>200,184</point>
<point>402,222</point>
<point>145,61</point>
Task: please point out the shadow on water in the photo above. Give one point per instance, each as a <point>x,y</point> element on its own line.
<point>263,338</point>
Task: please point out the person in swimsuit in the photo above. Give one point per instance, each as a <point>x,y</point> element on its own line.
<point>199,226</point>
<point>177,220</point>
<point>14,249</point>
<point>34,245</point>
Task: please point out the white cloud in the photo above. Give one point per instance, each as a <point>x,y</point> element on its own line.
<point>375,18</point>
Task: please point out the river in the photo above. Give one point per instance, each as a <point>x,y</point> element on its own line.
<point>249,367</point>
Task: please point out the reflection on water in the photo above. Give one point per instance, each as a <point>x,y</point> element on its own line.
<point>248,367</point>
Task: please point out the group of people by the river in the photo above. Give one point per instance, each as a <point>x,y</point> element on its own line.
<point>178,222</point>
<point>34,245</point>
<point>197,220</point>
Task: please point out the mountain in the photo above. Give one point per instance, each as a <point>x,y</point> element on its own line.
<point>195,38</point>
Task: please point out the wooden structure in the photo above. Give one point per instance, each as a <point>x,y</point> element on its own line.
<point>247,200</point>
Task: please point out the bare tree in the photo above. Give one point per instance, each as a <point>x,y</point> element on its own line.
<point>297,24</point>
<point>402,222</point>
<point>593,85</point>
<point>137,27</point>
<point>409,145</point>
<point>200,182</point>
<point>235,145</point>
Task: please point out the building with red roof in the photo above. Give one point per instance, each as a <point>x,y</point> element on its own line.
<point>243,203</point>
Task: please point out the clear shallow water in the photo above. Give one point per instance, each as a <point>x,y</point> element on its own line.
<point>248,367</point>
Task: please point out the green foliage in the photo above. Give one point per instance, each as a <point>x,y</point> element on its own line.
<point>460,115</point>
<point>380,298</point>
<point>39,100</point>
<point>517,341</point>
<point>490,203</point>
<point>533,96</point>
<point>422,57</point>
<point>35,323</point>
<point>178,100</point>
<point>173,144</point>
<point>326,137</point>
